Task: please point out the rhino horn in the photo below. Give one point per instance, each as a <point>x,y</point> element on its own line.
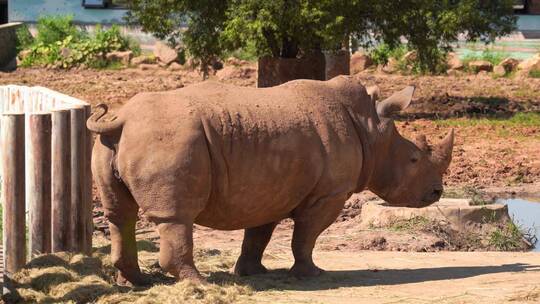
<point>421,142</point>
<point>395,103</point>
<point>374,92</point>
<point>443,151</point>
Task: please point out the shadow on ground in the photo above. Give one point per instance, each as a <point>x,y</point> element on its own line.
<point>279,279</point>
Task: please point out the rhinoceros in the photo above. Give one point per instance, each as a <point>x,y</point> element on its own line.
<point>230,157</point>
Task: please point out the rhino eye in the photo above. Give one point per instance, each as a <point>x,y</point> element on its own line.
<point>414,159</point>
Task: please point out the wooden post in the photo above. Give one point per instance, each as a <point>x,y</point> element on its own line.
<point>13,186</point>
<point>38,192</point>
<point>78,178</point>
<point>61,180</point>
<point>88,185</point>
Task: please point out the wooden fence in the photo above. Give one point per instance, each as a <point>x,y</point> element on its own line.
<point>45,152</point>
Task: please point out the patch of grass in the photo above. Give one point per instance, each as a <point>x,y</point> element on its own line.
<point>531,296</point>
<point>528,119</point>
<point>495,57</point>
<point>534,73</point>
<point>412,224</point>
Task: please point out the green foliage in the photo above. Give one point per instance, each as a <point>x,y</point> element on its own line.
<point>295,27</point>
<point>383,52</point>
<point>51,29</point>
<point>62,44</point>
<point>24,38</point>
<point>249,53</point>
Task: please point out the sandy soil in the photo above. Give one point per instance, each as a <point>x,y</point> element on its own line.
<point>399,277</point>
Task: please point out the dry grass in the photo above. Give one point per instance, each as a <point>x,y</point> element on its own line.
<point>531,296</point>
<point>69,278</point>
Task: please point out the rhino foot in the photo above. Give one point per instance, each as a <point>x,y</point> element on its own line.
<point>305,270</point>
<point>247,268</point>
<point>136,280</point>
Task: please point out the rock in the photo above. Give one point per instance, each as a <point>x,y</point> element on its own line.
<point>233,72</point>
<point>148,67</point>
<point>453,61</point>
<point>236,61</point>
<point>118,56</point>
<point>482,74</point>
<point>165,54</point>
<point>391,66</point>
<point>23,54</point>
<point>175,67</point>
<point>454,72</point>
<point>142,59</point>
<point>457,212</point>
<point>530,64</point>
<point>410,56</point>
<point>65,52</point>
<point>509,64</point>
<point>499,71</point>
<point>359,62</point>
<point>481,65</point>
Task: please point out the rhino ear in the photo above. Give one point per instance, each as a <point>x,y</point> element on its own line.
<point>421,143</point>
<point>374,92</point>
<point>443,151</point>
<point>395,103</point>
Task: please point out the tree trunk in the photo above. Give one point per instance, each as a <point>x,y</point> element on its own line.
<point>337,63</point>
<point>277,70</point>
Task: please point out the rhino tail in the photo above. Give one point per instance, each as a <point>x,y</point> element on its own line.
<point>103,127</point>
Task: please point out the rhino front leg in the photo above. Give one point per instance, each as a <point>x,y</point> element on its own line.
<point>255,241</point>
<point>309,222</point>
<point>176,250</point>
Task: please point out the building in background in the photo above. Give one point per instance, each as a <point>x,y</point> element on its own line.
<point>86,13</point>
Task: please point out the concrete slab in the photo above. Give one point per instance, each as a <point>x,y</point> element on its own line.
<point>457,212</point>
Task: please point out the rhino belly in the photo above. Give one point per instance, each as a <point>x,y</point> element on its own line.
<point>263,182</point>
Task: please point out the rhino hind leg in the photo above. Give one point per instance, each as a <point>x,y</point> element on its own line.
<point>176,250</point>
<point>309,222</point>
<point>121,211</point>
<point>255,241</point>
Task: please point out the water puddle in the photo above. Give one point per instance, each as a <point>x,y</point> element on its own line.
<point>526,214</point>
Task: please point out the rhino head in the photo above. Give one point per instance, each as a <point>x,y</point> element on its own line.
<point>406,173</point>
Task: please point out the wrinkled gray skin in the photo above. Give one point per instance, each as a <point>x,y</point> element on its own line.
<point>231,157</point>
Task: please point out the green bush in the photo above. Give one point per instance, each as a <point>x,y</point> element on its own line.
<point>61,44</point>
<point>51,29</point>
<point>383,52</point>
